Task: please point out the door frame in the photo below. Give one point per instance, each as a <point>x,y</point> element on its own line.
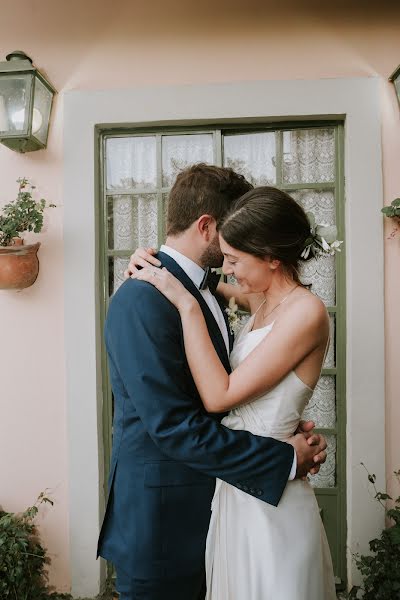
<point>354,100</point>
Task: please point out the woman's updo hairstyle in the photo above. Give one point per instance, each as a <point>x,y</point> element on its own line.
<point>268,222</point>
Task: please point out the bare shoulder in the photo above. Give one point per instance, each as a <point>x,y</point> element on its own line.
<point>305,299</point>
<point>307,311</point>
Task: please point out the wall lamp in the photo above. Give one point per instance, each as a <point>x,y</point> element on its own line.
<point>26,99</point>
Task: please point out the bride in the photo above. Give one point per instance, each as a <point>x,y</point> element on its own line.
<point>256,551</point>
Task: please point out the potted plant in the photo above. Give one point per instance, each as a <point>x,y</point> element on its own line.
<point>19,264</point>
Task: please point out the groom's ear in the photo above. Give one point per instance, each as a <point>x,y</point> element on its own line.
<point>207,227</point>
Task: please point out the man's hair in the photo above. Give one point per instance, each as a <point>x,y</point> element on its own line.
<point>203,189</point>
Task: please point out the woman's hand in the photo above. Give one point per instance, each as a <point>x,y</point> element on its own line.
<point>142,257</point>
<point>168,285</point>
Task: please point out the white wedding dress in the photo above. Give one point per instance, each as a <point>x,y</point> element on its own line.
<point>256,551</point>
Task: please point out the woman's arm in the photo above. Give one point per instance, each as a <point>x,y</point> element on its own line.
<point>228,290</point>
<point>289,342</point>
<point>144,257</point>
<point>305,327</point>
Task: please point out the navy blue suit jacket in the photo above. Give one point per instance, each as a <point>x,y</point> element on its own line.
<point>167,450</point>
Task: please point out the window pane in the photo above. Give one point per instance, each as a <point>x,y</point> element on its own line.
<point>116,268</point>
<point>308,156</point>
<point>131,163</point>
<point>322,407</point>
<point>321,204</point>
<point>120,230</point>
<point>14,96</point>
<point>132,221</point>
<point>252,155</point>
<point>326,478</point>
<point>321,274</point>
<point>180,151</point>
<point>41,111</point>
<point>165,211</point>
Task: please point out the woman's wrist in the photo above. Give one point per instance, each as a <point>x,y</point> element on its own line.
<point>188,305</point>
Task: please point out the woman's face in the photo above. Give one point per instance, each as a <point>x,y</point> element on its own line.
<point>253,274</point>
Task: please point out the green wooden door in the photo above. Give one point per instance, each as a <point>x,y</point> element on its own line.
<point>137,170</point>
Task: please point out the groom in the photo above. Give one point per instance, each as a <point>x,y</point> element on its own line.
<point>167,451</point>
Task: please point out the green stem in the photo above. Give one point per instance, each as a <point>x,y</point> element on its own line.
<point>373,483</point>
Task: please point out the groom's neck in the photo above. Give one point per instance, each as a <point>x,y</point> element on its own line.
<point>186,245</point>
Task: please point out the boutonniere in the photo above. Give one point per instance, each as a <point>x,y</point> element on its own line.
<point>234,319</point>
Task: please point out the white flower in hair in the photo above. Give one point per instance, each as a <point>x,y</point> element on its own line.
<point>322,240</point>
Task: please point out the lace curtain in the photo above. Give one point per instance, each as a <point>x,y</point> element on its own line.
<point>135,182</point>
<point>252,155</point>
<point>132,168</point>
<point>180,151</point>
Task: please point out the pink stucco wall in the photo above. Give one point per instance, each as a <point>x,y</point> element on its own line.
<point>97,44</point>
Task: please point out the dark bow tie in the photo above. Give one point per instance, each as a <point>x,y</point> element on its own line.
<point>210,280</point>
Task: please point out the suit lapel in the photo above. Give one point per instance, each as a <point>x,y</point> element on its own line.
<point>212,325</point>
<point>230,334</point>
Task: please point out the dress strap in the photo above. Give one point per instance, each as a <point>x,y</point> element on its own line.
<point>262,304</point>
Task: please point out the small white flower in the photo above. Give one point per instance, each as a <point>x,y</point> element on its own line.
<point>325,245</point>
<point>232,304</point>
<point>234,320</point>
<point>306,252</point>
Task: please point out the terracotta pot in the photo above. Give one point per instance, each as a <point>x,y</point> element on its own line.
<point>19,265</point>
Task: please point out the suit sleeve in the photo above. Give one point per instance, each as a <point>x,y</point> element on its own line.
<point>145,345</point>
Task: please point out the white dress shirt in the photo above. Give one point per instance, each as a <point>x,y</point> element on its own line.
<point>196,274</point>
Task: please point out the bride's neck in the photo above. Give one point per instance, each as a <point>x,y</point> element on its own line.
<point>280,286</point>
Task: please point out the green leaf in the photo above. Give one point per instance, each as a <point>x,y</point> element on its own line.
<point>329,233</point>
<point>353,594</point>
<point>381,496</point>
<point>388,211</point>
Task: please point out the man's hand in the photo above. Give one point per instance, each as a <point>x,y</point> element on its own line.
<point>307,429</point>
<point>310,453</point>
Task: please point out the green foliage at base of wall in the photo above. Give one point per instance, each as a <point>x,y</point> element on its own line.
<point>381,569</point>
<point>23,560</point>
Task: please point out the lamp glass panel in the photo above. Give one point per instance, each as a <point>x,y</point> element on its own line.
<point>14,104</point>
<point>41,111</point>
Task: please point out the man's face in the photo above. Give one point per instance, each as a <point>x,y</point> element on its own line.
<point>212,256</point>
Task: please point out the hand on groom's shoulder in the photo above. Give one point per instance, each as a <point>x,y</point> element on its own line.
<point>141,297</point>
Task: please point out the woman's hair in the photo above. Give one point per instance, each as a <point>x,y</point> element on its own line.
<point>268,222</point>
